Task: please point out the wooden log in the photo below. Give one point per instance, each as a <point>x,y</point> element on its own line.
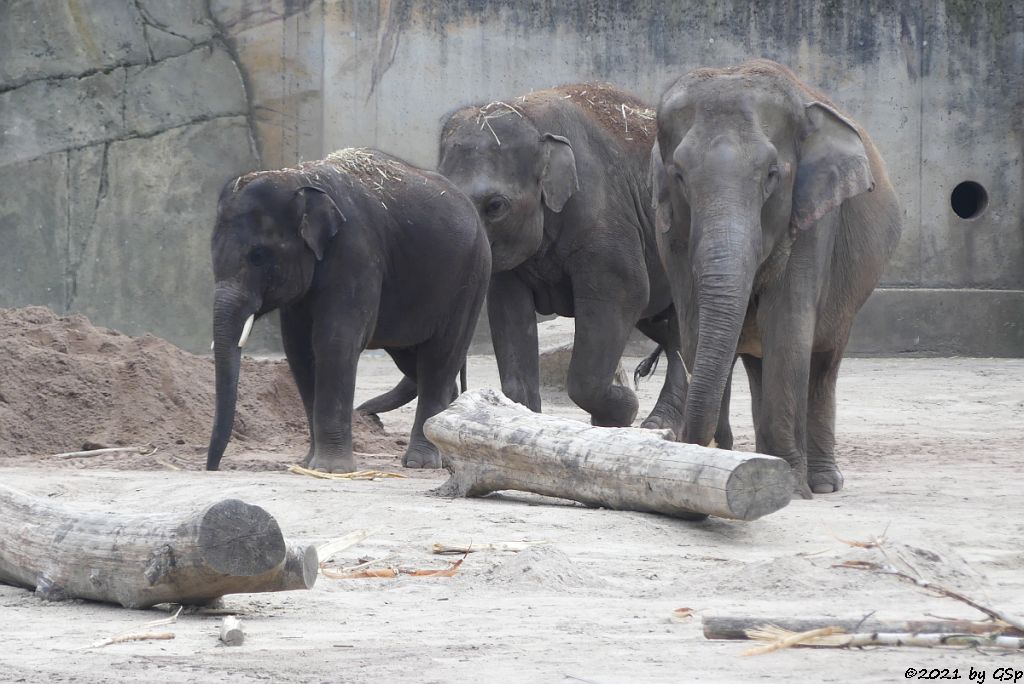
<point>228,547</point>
<point>231,631</point>
<point>489,443</point>
<point>736,627</point>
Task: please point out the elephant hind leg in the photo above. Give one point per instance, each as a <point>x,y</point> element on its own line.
<point>823,475</point>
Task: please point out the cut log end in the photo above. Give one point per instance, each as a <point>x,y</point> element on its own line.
<point>759,486</point>
<point>301,567</point>
<point>240,539</point>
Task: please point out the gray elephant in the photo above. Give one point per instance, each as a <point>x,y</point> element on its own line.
<point>775,218</point>
<point>560,178</point>
<point>357,251</point>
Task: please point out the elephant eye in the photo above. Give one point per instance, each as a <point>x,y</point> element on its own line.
<point>259,256</point>
<point>495,206</point>
<point>771,181</point>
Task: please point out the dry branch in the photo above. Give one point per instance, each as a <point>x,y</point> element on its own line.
<point>358,475</point>
<point>832,637</point>
<point>147,450</point>
<point>141,636</point>
<point>911,574</point>
<point>489,443</point>
<point>327,550</point>
<point>736,627</point>
<point>513,546</point>
<point>141,560</point>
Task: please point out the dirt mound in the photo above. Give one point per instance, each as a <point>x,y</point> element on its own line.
<point>543,566</point>
<point>67,385</point>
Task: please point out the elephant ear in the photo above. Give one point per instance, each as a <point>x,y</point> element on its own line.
<point>558,180</point>
<point>659,192</point>
<point>319,218</point>
<point>833,166</point>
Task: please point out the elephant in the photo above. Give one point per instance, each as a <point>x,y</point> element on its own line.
<point>561,180</point>
<point>357,251</point>
<point>775,219</point>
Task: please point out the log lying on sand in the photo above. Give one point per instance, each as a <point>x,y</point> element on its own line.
<point>228,547</point>
<point>736,627</point>
<point>489,443</point>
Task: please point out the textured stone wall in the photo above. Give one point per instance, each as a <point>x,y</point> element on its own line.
<point>120,119</point>
<point>119,122</point>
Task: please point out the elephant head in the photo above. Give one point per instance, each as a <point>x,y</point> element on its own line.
<point>271,230</point>
<point>747,158</point>
<point>511,171</point>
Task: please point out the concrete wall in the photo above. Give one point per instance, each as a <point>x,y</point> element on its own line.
<point>119,120</point>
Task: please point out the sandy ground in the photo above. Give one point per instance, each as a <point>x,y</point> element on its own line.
<point>931,450</point>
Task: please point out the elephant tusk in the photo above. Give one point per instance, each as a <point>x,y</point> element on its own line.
<point>689,378</point>
<point>211,345</point>
<point>246,329</point>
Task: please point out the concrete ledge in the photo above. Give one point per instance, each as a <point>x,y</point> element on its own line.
<point>927,322</point>
<point>909,322</point>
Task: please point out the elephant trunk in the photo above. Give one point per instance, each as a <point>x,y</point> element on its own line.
<point>232,318</point>
<point>724,263</point>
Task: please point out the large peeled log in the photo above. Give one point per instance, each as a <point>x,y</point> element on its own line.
<point>228,547</point>
<point>489,443</point>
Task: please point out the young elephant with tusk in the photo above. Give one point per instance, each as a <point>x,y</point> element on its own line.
<point>356,251</point>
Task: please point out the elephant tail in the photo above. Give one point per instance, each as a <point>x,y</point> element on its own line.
<point>462,377</point>
<point>647,366</point>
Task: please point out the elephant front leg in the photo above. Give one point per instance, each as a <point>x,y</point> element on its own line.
<point>337,357</point>
<point>782,413</point>
<point>296,335</point>
<point>823,475</point>
<point>602,329</point>
<point>513,321</point>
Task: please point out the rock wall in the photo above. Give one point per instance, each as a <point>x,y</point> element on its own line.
<point>120,119</point>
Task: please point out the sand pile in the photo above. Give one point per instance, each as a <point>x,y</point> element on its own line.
<point>67,385</point>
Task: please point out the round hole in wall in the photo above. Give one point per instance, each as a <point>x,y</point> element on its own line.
<point>969,200</point>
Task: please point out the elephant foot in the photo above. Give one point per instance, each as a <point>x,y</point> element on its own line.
<point>723,439</point>
<point>825,479</point>
<point>421,456</point>
<point>653,422</point>
<point>331,463</point>
<point>800,487</point>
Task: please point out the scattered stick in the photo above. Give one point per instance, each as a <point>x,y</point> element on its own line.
<point>346,573</point>
<point>448,572</point>
<point>833,637</point>
<point>783,639</point>
<point>455,549</point>
<point>914,577</point>
<point>141,636</point>
<point>231,631</point>
<point>360,574</point>
<point>390,573</point>
<point>994,613</point>
<point>736,627</point>
<point>358,475</point>
<point>146,450</point>
<point>328,549</point>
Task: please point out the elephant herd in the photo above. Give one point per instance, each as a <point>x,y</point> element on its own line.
<point>747,216</point>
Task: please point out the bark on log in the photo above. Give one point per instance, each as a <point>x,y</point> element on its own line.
<point>489,443</point>
<point>228,547</point>
<point>735,627</point>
